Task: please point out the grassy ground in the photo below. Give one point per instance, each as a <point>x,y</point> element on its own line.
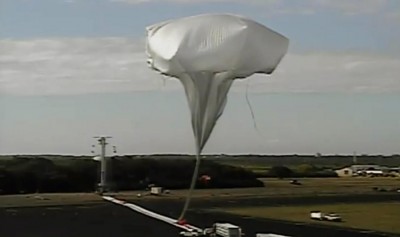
<point>331,185</point>
<point>384,217</point>
<point>273,188</point>
<point>57,199</point>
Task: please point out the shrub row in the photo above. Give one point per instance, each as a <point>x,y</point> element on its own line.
<point>302,171</point>
<point>30,175</point>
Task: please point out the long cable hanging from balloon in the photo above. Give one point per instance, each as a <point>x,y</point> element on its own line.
<point>250,107</point>
<point>192,186</point>
<point>198,161</point>
<point>253,116</point>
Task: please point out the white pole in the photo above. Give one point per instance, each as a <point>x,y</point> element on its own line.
<point>103,163</point>
<point>103,172</point>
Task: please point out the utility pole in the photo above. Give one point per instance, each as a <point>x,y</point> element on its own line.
<point>354,158</point>
<point>103,185</point>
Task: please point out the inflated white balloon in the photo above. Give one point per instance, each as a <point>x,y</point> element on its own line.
<point>206,53</point>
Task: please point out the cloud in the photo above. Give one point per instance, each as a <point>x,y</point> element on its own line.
<point>268,2</point>
<point>347,7</point>
<point>100,65</point>
<point>73,66</point>
<point>352,6</point>
<point>394,16</point>
<point>292,7</point>
<point>348,72</point>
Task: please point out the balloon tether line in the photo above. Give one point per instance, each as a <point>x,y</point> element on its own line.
<point>250,107</point>
<point>192,186</point>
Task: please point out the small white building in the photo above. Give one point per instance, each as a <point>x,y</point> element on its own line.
<point>365,170</point>
<point>345,172</point>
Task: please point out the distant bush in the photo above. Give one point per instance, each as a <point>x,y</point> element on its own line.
<point>177,174</point>
<point>303,170</point>
<point>312,171</point>
<point>322,174</point>
<point>280,172</point>
<point>306,169</point>
<point>29,175</point>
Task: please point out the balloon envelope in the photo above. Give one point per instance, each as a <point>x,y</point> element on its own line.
<point>206,53</point>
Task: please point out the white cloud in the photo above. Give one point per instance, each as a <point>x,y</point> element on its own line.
<point>293,7</point>
<point>333,72</point>
<point>96,65</point>
<point>347,7</point>
<point>393,16</point>
<point>352,6</point>
<point>200,1</point>
<point>65,66</point>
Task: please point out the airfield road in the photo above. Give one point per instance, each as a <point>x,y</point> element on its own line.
<point>107,219</point>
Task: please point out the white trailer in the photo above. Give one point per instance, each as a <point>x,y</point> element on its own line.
<point>316,215</point>
<point>156,190</point>
<point>227,230</point>
<point>332,217</point>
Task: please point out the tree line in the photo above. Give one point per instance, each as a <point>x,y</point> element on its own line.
<point>36,174</point>
<point>300,171</point>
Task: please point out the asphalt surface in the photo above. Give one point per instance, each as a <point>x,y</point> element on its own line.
<point>113,220</point>
<point>80,221</point>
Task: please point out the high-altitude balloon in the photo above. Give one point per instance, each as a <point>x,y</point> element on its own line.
<point>206,53</point>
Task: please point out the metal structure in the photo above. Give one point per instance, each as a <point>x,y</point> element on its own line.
<point>103,185</point>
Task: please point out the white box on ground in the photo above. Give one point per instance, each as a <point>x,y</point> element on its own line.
<point>156,190</point>
<point>316,215</point>
<point>227,230</point>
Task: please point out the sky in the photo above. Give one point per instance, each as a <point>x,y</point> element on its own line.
<point>74,69</point>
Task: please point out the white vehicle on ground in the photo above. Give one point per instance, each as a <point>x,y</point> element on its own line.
<point>332,217</point>
<point>226,230</point>
<point>189,233</point>
<point>316,215</point>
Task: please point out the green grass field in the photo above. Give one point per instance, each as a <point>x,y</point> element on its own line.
<point>273,188</point>
<point>331,185</point>
<point>48,199</point>
<point>384,217</point>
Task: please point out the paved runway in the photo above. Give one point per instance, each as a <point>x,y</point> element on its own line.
<point>97,221</point>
